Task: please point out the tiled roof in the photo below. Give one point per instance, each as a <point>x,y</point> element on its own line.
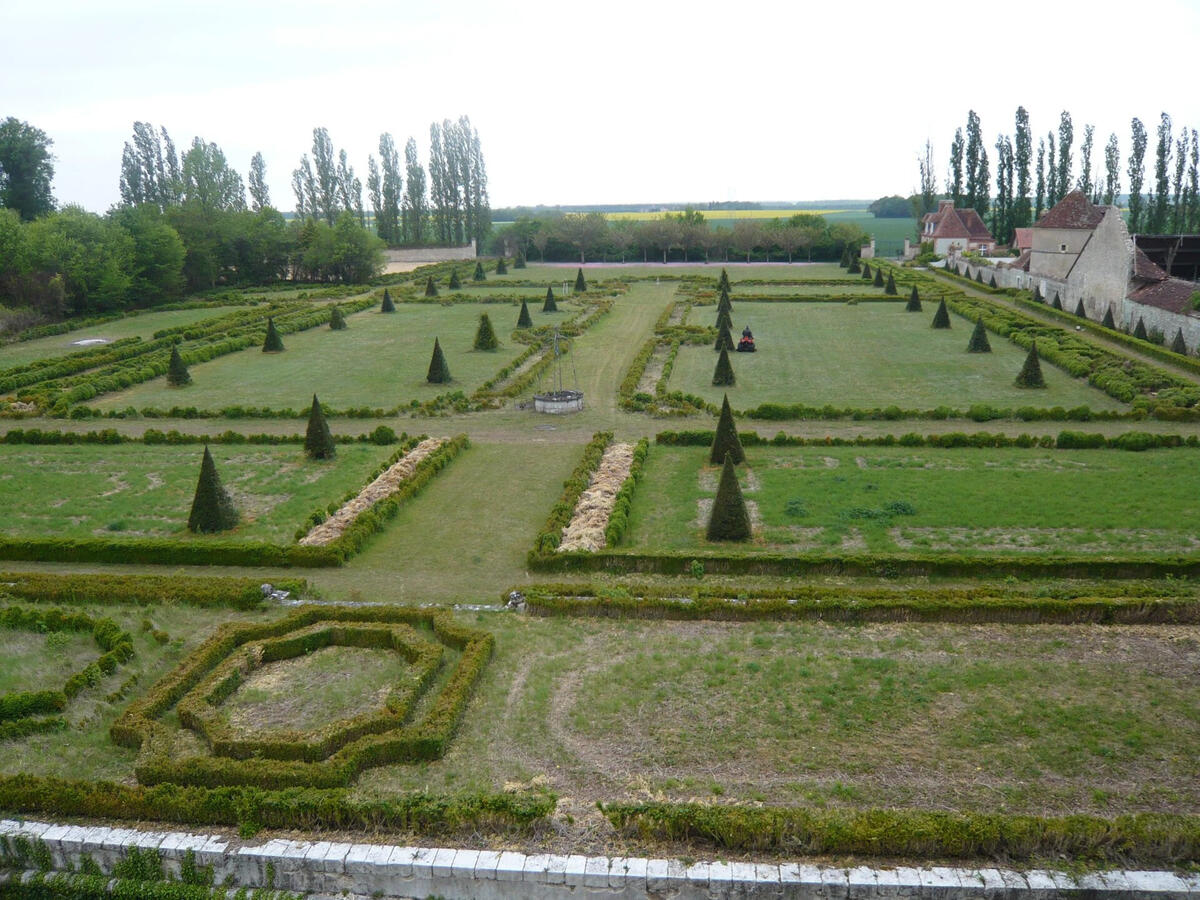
<point>1072,211</point>
<point>1145,269</point>
<point>974,224</point>
<point>1171,294</point>
<point>1021,262</point>
<point>1022,238</point>
<point>949,222</point>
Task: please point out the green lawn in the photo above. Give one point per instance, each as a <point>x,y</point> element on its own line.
<point>869,355</point>
<point>143,325</point>
<point>962,501</point>
<point>380,360</point>
<point>133,490</point>
<point>635,268</point>
<point>39,662</point>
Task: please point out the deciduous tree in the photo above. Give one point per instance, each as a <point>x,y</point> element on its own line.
<point>26,169</point>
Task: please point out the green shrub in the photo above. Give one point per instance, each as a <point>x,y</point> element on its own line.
<point>479,275</point>
<point>1056,303</point>
<point>1108,321</point>
<point>723,374</point>
<point>549,306</point>
<point>855,266</point>
<point>212,507</point>
<point>724,320</point>
<point>387,306</point>
<point>992,282</point>
<point>979,339</point>
<point>724,339</point>
<point>439,371</point>
<point>1139,331</point>
<point>430,287</point>
<point>272,343</point>
<point>519,263</point>
<point>890,287</point>
<point>878,282</point>
<point>485,335</point>
<point>501,268</point>
<point>337,321</point>
<point>725,438</point>
<point>914,301</point>
<point>729,519</point>
<point>1179,345</point>
<point>866,271</point>
<point>1037,294</point>
<point>1030,375</point>
<point>177,372</point>
<point>580,283</point>
<point>455,283</point>
<point>941,318</point>
<point>723,281</point>
<point>523,319</point>
<point>318,442</point>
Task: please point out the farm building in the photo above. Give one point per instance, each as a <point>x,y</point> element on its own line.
<point>954,230</point>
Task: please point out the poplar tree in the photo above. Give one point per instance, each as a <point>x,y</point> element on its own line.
<point>272,343</point>
<point>387,306</point>
<point>979,339</point>
<point>1041,180</point>
<point>485,336</point>
<point>439,371</point>
<point>941,318</point>
<point>1112,170</point>
<point>729,520</point>
<point>1030,375</point>
<point>212,507</point>
<point>725,439</point>
<point>723,374</point>
<point>1022,157</point>
<point>318,442</point>
<point>580,284</point>
<point>177,372</point>
<point>1066,136</point>
<point>1160,199</point>
<point>549,306</point>
<point>1137,174</point>
<point>523,319</point>
<point>337,321</point>
<point>430,287</point>
<point>954,181</point>
<point>914,301</point>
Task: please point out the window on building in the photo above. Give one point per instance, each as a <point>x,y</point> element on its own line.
<point>1062,248</point>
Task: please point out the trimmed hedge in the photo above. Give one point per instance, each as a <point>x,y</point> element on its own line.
<point>547,540</point>
<point>915,833</point>
<point>139,726</point>
<point>202,591</point>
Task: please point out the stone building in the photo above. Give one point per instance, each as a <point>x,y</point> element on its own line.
<point>953,230</point>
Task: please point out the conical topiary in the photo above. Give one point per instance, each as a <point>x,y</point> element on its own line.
<point>979,276</point>
<point>890,287</point>
<point>337,321</point>
<point>1056,303</point>
<point>519,262</point>
<point>878,282</point>
<point>992,283</point>
<point>272,343</point>
<point>729,519</point>
<point>501,268</point>
<point>318,442</point>
<point>387,305</point>
<point>1037,294</point>
<point>1179,345</point>
<point>523,319</point>
<point>177,372</point>
<point>430,287</point>
<point>724,339</point>
<point>941,318</point>
<point>855,266</point>
<point>479,276</point>
<point>212,507</point>
<point>1030,375</point>
<point>914,301</point>
<point>439,372</point>
<point>455,284</point>
<point>1108,321</point>
<point>580,284</point>
<point>725,440</point>
<point>724,320</point>
<point>723,374</point>
<point>1079,310</point>
<point>866,271</point>
<point>485,336</point>
<point>1139,331</point>
<point>979,339</point>
<point>549,305</point>
<point>845,263</point>
<point>723,281</point>
<point>723,301</point>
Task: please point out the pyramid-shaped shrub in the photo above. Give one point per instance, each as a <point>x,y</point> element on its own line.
<point>318,442</point>
<point>177,372</point>
<point>890,287</point>
<point>723,281</point>
<point>1108,321</point>
<point>523,319</point>
<point>729,520</point>
<point>941,318</point>
<point>580,283</point>
<point>430,287</point>
<point>914,301</point>
<point>725,440</point>
<point>1030,375</point>
<point>478,275</point>
<point>855,266</point>
<point>272,343</point>
<point>1037,294</point>
<point>387,305</point>
<point>485,335</point>
<point>979,276</point>
<point>519,262</point>
<point>549,305</point>
<point>723,301</point>
<point>501,268</point>
<point>866,271</point>
<point>1179,345</point>
<point>212,507</point>
<point>1079,310</point>
<point>724,320</point>
<point>979,339</point>
<point>455,284</point>
<point>1056,303</point>
<point>1139,331</point>
<point>724,339</point>
<point>439,371</point>
<point>337,321</point>
<point>878,282</point>
<point>723,374</point>
<point>992,283</point>
<point>845,263</point>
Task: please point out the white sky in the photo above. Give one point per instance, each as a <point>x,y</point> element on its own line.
<point>612,102</point>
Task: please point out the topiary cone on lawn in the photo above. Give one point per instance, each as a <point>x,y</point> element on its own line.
<point>1030,375</point>
<point>855,266</point>
<point>387,305</point>
<point>519,262</point>
<point>723,302</point>
<point>1037,294</point>
<point>485,336</point>
<point>523,319</point>
<point>729,520</point>
<point>580,284</point>
<point>1108,321</point>
<point>724,339</point>
<point>1139,332</point>
<point>455,284</point>
<point>272,343</point>
<point>1179,345</point>
<point>549,305</point>
<point>992,282</point>
<point>177,372</point>
<point>439,371</point>
<point>878,282</point>
<point>337,321</point>
<point>866,271</point>
<point>890,287</point>
<point>723,374</point>
<point>979,339</point>
<point>1079,310</point>
<point>941,318</point>
<point>725,440</point>
<point>479,276</point>
<point>724,320</point>
<point>723,281</point>
<point>1056,303</point>
<point>430,287</point>
<point>845,263</point>
<point>318,442</point>
<point>914,301</point>
<point>501,268</point>
<point>212,508</point>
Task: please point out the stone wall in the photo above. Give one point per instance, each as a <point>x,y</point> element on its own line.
<point>1167,323</point>
<point>407,258</point>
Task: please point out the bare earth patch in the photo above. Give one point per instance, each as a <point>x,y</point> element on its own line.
<point>708,480</point>
<point>654,370</point>
<point>1042,540</point>
<point>386,484</point>
<point>588,523</point>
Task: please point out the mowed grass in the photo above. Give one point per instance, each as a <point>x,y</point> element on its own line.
<point>987,718</point>
<point>380,360</point>
<point>869,355</point>
<point>132,490</point>
<point>142,325</point>
<point>556,273</point>
<point>904,499</point>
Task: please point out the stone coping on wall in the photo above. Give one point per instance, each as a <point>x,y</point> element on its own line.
<point>323,869</point>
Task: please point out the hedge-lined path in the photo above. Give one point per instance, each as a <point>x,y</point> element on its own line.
<point>1083,334</point>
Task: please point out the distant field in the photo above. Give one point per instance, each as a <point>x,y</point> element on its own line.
<point>719,214</point>
<point>868,355</point>
<point>960,501</point>
<point>889,234</point>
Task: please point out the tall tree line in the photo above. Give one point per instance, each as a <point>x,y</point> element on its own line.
<point>458,183</point>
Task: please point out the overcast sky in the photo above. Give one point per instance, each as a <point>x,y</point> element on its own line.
<point>611,102</point>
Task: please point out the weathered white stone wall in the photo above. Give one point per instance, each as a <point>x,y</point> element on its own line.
<point>1167,323</point>
<point>1100,277</point>
<point>1047,260</point>
<point>429,254</point>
